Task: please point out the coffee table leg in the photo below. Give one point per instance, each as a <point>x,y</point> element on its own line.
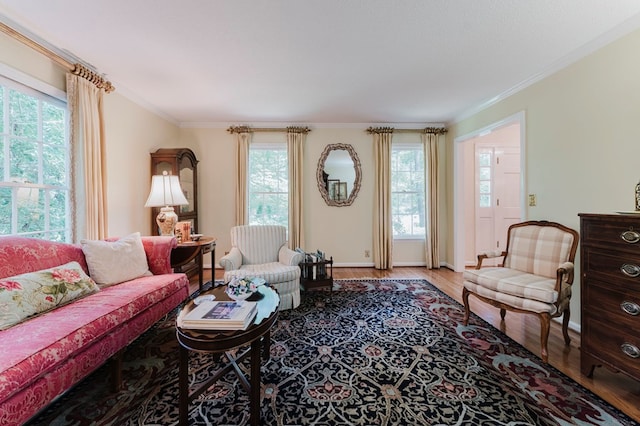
<point>254,398</point>
<point>266,345</point>
<point>183,378</point>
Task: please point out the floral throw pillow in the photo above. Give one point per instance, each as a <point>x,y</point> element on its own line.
<point>23,296</point>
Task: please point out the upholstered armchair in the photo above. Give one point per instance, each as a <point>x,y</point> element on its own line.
<point>535,276</point>
<point>261,251</point>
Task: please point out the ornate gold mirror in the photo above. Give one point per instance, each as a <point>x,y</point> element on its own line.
<point>339,175</point>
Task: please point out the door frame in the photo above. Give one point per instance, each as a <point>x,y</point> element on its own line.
<point>459,231</point>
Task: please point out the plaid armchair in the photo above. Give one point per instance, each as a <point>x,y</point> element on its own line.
<point>535,276</point>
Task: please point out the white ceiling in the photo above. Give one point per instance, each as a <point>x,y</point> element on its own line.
<point>322,61</point>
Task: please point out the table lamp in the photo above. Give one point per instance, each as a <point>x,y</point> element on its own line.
<point>166,193</point>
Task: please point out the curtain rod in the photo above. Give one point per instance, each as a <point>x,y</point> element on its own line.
<point>76,69</point>
<point>434,130</point>
<point>247,129</point>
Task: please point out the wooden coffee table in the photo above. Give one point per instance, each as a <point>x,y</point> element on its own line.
<point>257,335</point>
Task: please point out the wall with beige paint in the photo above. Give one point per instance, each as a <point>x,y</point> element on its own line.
<point>342,232</point>
<point>131,133</point>
<point>583,138</point>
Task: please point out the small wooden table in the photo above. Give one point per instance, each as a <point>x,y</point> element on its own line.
<point>190,251</point>
<point>310,280</point>
<point>213,341</point>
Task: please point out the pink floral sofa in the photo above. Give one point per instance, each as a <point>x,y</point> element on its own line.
<point>43,356</point>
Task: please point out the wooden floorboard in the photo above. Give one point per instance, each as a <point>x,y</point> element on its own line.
<point>616,388</point>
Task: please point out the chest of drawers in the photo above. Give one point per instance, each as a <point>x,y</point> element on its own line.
<point>610,293</point>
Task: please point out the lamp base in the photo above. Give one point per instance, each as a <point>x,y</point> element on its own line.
<point>166,220</point>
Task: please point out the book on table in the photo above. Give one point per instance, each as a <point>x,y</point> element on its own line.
<point>220,315</point>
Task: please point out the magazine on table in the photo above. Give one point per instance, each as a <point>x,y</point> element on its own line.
<point>220,315</point>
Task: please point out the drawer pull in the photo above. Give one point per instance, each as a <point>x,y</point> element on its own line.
<point>630,270</point>
<point>631,237</point>
<point>630,308</point>
<point>630,350</point>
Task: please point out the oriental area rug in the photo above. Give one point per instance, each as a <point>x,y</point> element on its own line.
<point>379,352</point>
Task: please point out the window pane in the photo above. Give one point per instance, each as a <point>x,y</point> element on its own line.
<point>53,165</point>
<point>485,173</point>
<point>484,159</point>
<point>485,200</point>
<point>53,128</point>
<point>5,211</point>
<point>23,117</point>
<point>30,210</point>
<point>57,210</point>
<point>485,187</point>
<point>24,161</point>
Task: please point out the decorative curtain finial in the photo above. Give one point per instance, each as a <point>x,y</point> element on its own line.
<point>298,129</point>
<point>379,130</point>
<point>239,129</point>
<point>99,81</point>
<point>436,130</point>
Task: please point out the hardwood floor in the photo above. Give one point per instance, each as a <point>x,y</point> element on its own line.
<point>616,388</point>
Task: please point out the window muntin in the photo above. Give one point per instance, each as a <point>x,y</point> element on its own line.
<point>407,191</point>
<point>268,184</point>
<point>34,164</point>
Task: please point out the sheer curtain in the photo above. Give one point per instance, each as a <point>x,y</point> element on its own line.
<point>88,159</point>
<point>242,163</point>
<point>382,229</point>
<point>432,199</point>
<point>295,145</point>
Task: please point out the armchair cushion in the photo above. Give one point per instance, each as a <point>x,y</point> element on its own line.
<point>514,283</point>
<point>538,250</point>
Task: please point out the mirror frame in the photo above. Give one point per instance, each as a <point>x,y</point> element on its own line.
<point>321,183</point>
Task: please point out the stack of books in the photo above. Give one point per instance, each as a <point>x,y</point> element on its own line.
<point>223,315</point>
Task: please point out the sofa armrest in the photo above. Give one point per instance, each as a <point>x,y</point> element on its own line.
<point>489,255</point>
<point>158,251</point>
<point>232,260</point>
<point>289,257</point>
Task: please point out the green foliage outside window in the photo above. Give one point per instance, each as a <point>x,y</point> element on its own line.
<point>407,191</point>
<point>268,185</point>
<point>34,152</point>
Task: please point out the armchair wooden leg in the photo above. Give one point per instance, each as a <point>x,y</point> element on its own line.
<point>545,322</point>
<point>565,326</point>
<point>465,302</point>
<point>503,312</point>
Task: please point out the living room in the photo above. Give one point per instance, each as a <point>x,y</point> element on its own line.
<point>580,132</point>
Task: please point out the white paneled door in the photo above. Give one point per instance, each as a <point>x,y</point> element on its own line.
<point>498,198</point>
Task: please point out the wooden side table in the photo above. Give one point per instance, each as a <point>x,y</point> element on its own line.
<point>222,342</point>
<point>188,257</point>
<point>309,281</point>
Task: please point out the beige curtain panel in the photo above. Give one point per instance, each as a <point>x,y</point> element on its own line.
<point>382,228</point>
<point>295,146</point>
<point>242,166</point>
<point>432,199</point>
<point>88,159</point>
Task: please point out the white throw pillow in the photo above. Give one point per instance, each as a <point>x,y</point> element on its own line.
<point>113,262</point>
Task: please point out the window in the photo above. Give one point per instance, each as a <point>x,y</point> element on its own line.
<point>34,160</point>
<point>407,191</point>
<point>485,174</point>
<point>268,184</point>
